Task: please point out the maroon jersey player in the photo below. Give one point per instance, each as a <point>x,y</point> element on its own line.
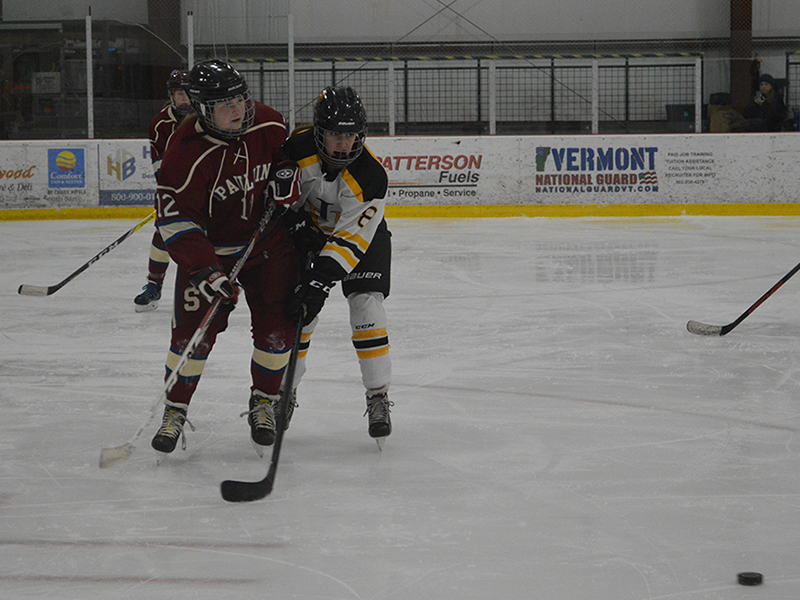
<point>161,129</point>
<point>212,195</point>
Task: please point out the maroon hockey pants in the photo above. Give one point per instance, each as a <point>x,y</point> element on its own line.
<point>267,280</point>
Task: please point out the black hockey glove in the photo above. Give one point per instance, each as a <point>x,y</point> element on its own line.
<point>307,238</point>
<point>228,305</point>
<point>312,291</point>
<point>212,282</point>
<point>283,185</point>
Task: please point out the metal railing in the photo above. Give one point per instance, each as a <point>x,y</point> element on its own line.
<point>505,96</point>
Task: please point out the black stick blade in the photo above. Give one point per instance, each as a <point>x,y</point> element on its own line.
<point>247,491</point>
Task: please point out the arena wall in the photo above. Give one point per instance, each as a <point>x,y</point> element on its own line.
<point>482,176</point>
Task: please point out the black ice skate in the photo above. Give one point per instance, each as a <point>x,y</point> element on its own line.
<point>289,409</point>
<point>261,418</point>
<point>378,409</point>
<point>166,438</point>
<point>148,299</point>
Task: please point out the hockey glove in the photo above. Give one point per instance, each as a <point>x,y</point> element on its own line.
<point>307,238</point>
<point>312,292</point>
<point>228,305</point>
<point>283,185</point>
<point>212,282</point>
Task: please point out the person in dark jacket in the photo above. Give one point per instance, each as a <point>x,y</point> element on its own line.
<point>767,111</point>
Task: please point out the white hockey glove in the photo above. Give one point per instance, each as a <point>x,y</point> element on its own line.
<point>212,282</point>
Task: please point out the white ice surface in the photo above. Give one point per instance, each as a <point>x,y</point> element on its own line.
<point>558,434</point>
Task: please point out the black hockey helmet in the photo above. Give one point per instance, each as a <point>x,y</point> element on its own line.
<point>214,81</point>
<point>178,80</point>
<point>339,110</point>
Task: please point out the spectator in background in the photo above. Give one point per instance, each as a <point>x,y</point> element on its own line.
<point>767,111</point>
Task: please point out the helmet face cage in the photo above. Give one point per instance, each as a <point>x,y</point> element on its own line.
<point>212,83</point>
<point>339,111</point>
<point>338,160</point>
<point>205,112</point>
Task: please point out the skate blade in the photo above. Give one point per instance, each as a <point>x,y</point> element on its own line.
<point>380,441</point>
<point>139,308</point>
<point>258,448</point>
<point>112,456</point>
<point>160,457</point>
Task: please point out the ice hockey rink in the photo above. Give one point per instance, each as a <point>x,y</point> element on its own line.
<point>558,434</point>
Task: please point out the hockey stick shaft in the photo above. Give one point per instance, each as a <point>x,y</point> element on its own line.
<point>248,491</point>
<point>703,329</point>
<point>35,290</point>
<point>112,456</point>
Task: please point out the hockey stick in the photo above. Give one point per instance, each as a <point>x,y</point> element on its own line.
<point>111,456</point>
<point>248,491</point>
<point>703,329</point>
<point>35,290</point>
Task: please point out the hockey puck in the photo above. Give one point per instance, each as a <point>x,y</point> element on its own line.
<point>750,578</point>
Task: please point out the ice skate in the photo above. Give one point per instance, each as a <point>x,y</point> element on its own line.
<point>148,299</point>
<point>172,423</point>
<point>261,418</point>
<point>378,409</point>
<point>289,409</point>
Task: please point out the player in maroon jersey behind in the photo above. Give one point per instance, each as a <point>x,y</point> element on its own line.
<point>161,129</point>
<point>223,171</point>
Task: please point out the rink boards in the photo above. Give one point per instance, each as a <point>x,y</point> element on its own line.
<point>585,175</point>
